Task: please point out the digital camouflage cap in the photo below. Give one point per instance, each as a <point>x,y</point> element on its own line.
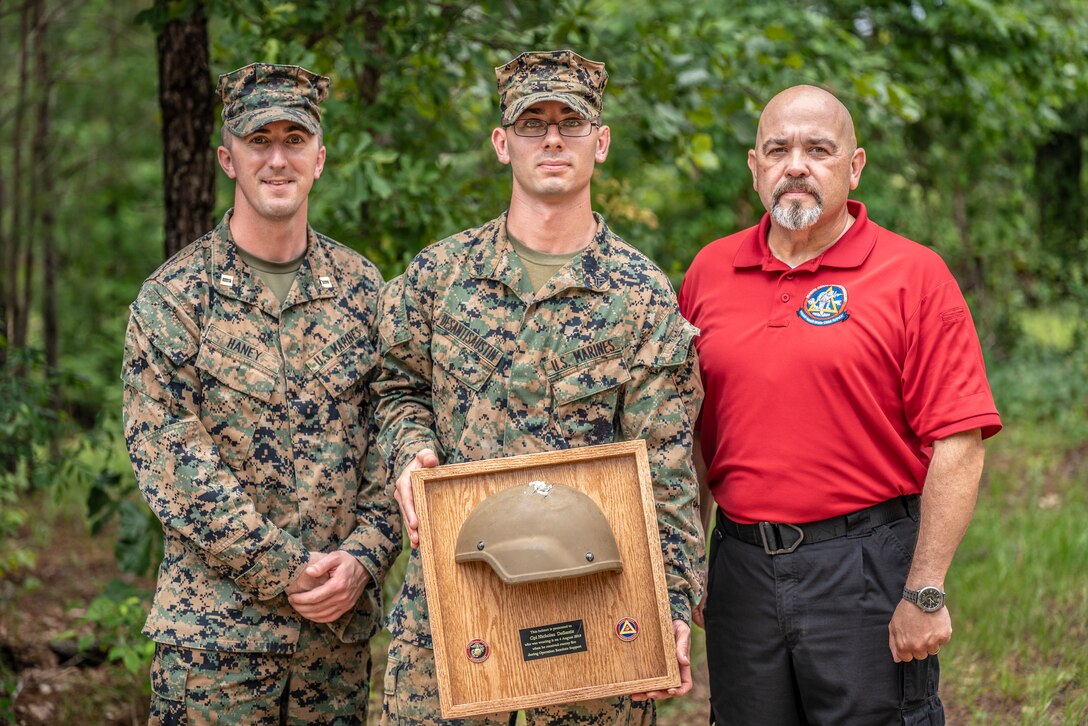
<point>556,75</point>
<point>261,93</point>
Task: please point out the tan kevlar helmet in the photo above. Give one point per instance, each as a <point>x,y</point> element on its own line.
<point>538,532</point>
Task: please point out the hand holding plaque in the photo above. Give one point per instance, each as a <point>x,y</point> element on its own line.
<point>545,579</point>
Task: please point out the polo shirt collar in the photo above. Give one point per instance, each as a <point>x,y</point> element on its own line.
<point>850,251</point>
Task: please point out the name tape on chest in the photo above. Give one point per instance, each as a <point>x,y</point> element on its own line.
<point>578,356</point>
<point>327,354</point>
<point>468,337</point>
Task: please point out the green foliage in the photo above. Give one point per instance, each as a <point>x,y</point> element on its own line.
<point>1045,378</point>
<point>26,420</point>
<point>1043,384</point>
<point>26,425</point>
<point>139,535</point>
<point>9,684</point>
<point>115,620</point>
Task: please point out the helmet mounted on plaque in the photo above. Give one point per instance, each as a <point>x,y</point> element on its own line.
<point>539,532</point>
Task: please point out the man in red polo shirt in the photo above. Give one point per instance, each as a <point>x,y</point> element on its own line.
<point>841,437</point>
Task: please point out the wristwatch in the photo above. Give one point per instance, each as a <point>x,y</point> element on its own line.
<point>930,599</point>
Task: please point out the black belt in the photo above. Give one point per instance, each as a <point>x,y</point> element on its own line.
<point>774,536</point>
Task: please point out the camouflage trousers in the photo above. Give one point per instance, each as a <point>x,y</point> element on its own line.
<point>323,682</point>
<point>411,699</point>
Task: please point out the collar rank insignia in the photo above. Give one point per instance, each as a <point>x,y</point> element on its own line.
<point>824,305</point>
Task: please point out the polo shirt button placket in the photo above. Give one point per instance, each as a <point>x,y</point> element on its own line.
<point>780,318</point>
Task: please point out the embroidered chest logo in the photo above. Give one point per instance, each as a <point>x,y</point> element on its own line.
<point>825,305</point>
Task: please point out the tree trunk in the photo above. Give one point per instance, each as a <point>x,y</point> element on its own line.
<point>368,80</point>
<point>970,273</point>
<point>188,105</point>
<point>5,245</point>
<point>43,172</point>
<point>13,262</point>
<point>1058,164</point>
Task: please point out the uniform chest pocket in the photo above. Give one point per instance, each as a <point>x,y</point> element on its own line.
<point>342,365</point>
<point>585,399</point>
<point>453,359</point>
<point>343,371</point>
<point>238,384</point>
<point>460,374</point>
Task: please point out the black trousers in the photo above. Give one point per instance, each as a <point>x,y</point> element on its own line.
<point>802,638</point>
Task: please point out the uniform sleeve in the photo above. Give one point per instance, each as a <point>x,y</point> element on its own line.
<point>177,464</point>
<point>661,405</point>
<point>402,391</point>
<point>376,538</point>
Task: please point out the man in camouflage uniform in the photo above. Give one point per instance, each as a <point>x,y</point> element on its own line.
<point>247,413</point>
<point>537,331</point>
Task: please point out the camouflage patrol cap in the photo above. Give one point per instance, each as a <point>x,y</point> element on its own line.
<point>261,93</point>
<point>557,75</point>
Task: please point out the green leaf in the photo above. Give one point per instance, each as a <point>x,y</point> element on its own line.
<point>778,33</point>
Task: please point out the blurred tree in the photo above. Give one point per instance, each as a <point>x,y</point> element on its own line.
<point>993,80</point>
<point>1059,170</point>
<point>41,196</point>
<point>15,255</point>
<point>66,252</point>
<point>188,103</point>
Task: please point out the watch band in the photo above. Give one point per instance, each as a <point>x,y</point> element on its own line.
<point>930,599</point>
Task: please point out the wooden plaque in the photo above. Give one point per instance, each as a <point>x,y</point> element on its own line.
<point>501,647</point>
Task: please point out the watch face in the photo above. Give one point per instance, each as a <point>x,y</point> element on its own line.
<point>930,599</point>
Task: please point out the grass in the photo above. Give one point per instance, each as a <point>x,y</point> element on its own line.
<point>1018,586</point>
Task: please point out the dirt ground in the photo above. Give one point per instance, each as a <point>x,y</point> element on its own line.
<point>56,685</point>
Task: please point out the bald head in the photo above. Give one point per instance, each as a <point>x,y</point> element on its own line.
<point>806,160</point>
<point>807,104</point>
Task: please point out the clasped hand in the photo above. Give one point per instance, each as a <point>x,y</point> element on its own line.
<point>328,587</point>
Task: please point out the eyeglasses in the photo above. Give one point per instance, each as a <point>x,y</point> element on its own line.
<point>539,127</point>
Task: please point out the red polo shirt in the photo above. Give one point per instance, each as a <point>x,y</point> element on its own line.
<point>826,384</point>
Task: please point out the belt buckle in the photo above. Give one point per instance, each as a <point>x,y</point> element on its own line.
<point>786,550</point>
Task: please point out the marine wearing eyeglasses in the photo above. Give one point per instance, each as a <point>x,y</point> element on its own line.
<point>539,330</point>
<point>536,127</point>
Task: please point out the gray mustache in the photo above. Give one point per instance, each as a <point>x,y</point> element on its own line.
<point>797,185</point>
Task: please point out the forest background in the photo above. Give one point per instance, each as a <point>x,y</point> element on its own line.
<point>974,114</point>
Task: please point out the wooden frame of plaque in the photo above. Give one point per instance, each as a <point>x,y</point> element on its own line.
<point>501,647</point>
